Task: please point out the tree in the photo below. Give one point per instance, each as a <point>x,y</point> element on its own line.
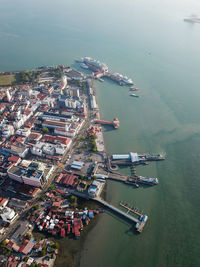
<point>73,199</point>
<point>28,236</point>
<point>45,130</point>
<point>36,207</point>
<point>57,245</point>
<point>52,187</point>
<point>3,244</point>
<point>9,253</point>
<point>44,251</point>
<point>42,197</point>
<point>25,258</point>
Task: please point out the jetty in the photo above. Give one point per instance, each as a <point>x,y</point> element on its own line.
<point>115,122</point>
<point>139,222</point>
<point>134,158</point>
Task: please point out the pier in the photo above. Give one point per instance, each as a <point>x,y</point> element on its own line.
<point>139,223</point>
<point>115,122</point>
<point>134,159</point>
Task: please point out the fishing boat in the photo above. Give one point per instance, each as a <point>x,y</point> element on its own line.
<point>134,95</point>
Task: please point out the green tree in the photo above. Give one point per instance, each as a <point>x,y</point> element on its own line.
<point>25,258</point>
<point>45,130</point>
<point>52,187</point>
<point>44,251</point>
<point>4,251</point>
<point>36,207</point>
<point>57,245</point>
<point>73,199</point>
<point>9,253</point>
<point>3,244</point>
<point>28,236</point>
<point>42,197</point>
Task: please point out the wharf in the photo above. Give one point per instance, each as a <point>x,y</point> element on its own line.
<point>140,223</point>
<point>130,209</point>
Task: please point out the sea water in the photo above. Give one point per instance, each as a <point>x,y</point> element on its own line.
<point>149,42</point>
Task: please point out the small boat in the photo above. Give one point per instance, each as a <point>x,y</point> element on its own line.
<point>134,95</point>
<point>133,88</point>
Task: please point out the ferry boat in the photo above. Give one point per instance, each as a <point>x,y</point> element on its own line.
<point>147,180</point>
<point>134,95</point>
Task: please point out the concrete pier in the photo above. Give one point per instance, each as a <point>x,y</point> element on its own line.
<point>140,223</point>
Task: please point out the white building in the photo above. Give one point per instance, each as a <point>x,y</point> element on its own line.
<point>24,132</point>
<point>43,148</point>
<point>31,173</point>
<point>8,215</point>
<point>7,130</point>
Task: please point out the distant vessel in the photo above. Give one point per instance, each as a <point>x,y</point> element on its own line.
<point>134,95</point>
<point>94,64</point>
<point>123,79</point>
<point>133,88</point>
<point>147,180</point>
<point>84,66</point>
<point>192,19</point>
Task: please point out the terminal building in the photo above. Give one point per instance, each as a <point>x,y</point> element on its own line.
<point>133,157</point>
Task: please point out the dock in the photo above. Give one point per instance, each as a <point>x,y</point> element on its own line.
<point>139,223</point>
<point>115,122</point>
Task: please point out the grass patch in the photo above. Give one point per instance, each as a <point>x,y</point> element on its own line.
<point>6,79</point>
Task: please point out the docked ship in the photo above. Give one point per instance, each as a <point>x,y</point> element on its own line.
<point>94,64</point>
<point>84,66</point>
<point>123,79</point>
<point>192,19</point>
<point>147,180</point>
<point>142,180</point>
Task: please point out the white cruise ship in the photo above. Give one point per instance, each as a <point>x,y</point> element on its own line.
<point>94,64</point>
<point>123,78</point>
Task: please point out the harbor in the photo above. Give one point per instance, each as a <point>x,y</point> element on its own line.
<point>100,70</point>
<point>164,119</point>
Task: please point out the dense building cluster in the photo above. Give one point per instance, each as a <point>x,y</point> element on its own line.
<point>39,121</point>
